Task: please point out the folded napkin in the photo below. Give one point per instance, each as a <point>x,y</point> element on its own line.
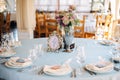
<point>7,52</point>
<point>57,69</point>
<point>17,62</point>
<point>100,67</point>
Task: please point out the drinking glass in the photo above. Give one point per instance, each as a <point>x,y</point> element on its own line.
<point>80,58</point>
<point>99,34</point>
<point>32,55</point>
<point>39,50</point>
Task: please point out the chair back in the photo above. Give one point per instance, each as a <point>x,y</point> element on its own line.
<point>7,24</point>
<point>40,28</point>
<point>79,30</point>
<point>108,20</point>
<point>104,21</point>
<point>1,21</point>
<point>100,19</point>
<point>51,25</point>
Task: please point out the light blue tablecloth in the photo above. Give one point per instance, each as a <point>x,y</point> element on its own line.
<point>92,51</point>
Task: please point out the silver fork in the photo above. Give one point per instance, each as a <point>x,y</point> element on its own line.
<point>41,71</point>
<point>73,73</point>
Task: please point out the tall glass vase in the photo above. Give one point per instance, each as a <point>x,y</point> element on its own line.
<point>68,39</point>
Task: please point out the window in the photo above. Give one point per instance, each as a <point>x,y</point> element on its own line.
<point>2,5</point>
<point>52,5</point>
<point>46,5</point>
<point>64,4</point>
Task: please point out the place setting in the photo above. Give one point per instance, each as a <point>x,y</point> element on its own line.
<point>104,67</point>
<point>56,69</point>
<point>115,50</point>
<point>7,45</point>
<point>10,41</point>
<point>17,62</point>
<point>25,64</point>
<point>105,42</point>
<point>101,66</point>
<point>6,52</point>
<point>115,57</point>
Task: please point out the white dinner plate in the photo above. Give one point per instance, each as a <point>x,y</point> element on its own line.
<point>10,66</point>
<point>12,63</point>
<point>101,70</point>
<point>8,53</point>
<point>57,74</point>
<point>64,72</point>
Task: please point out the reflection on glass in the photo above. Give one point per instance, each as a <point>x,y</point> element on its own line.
<point>80,58</point>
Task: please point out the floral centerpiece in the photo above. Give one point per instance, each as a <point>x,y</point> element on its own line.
<point>66,21</point>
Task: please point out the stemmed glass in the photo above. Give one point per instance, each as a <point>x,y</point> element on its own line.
<point>99,34</point>
<point>80,58</point>
<point>38,49</point>
<point>33,55</point>
<point>35,52</point>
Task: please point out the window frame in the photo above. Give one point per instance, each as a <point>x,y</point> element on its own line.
<point>64,6</point>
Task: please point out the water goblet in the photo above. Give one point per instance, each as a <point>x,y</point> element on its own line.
<point>80,58</point>
<point>38,49</point>
<point>33,55</point>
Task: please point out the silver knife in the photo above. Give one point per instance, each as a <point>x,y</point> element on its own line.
<point>74,73</point>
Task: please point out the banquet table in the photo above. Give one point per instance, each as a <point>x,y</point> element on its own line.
<point>92,51</point>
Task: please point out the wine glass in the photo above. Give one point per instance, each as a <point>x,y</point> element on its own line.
<point>80,58</point>
<point>99,34</point>
<point>39,49</point>
<point>33,55</point>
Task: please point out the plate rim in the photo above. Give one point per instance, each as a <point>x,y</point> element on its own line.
<point>7,65</point>
<point>98,71</point>
<point>12,53</point>
<point>52,74</point>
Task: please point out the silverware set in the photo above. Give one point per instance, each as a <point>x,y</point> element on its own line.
<point>41,71</point>
<point>116,69</point>
<point>73,73</point>
<point>90,72</point>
